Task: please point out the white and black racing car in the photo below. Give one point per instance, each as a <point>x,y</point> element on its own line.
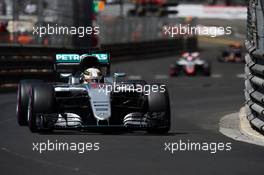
<point>190,64</point>
<point>87,97</point>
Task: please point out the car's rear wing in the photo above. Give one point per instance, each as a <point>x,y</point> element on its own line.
<point>71,63</point>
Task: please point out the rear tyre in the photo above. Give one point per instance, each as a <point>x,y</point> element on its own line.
<point>22,100</point>
<point>159,110</point>
<point>174,70</point>
<point>207,69</point>
<point>41,101</point>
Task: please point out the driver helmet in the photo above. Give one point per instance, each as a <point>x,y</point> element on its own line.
<point>92,75</point>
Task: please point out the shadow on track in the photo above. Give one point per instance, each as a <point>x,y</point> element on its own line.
<point>112,133</point>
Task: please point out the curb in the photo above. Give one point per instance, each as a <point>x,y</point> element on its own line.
<point>246,128</point>
<point>237,127</point>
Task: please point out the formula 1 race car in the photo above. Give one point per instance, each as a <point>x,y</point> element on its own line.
<point>88,98</point>
<point>190,64</point>
<point>232,54</point>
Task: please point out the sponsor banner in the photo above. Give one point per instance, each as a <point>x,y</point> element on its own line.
<point>76,58</point>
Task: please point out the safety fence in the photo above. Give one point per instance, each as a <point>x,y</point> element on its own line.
<point>254,68</point>
<point>64,24</point>
<point>24,55</point>
<point>138,29</point>
<point>34,62</point>
<point>20,18</point>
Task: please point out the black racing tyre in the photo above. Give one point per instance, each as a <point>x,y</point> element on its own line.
<point>207,69</point>
<point>22,100</point>
<point>158,102</point>
<point>174,70</point>
<point>41,101</point>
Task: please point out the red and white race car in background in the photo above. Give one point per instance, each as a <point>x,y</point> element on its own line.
<point>190,63</point>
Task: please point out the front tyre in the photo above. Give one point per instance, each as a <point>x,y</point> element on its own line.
<point>159,111</point>
<point>22,100</point>
<point>41,101</point>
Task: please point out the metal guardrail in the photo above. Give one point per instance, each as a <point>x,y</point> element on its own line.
<point>19,17</point>
<point>127,38</point>
<point>36,62</point>
<point>115,30</point>
<point>254,68</point>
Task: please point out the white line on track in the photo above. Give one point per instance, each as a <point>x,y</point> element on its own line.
<point>216,75</point>
<point>161,76</point>
<point>135,77</point>
<point>240,75</point>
